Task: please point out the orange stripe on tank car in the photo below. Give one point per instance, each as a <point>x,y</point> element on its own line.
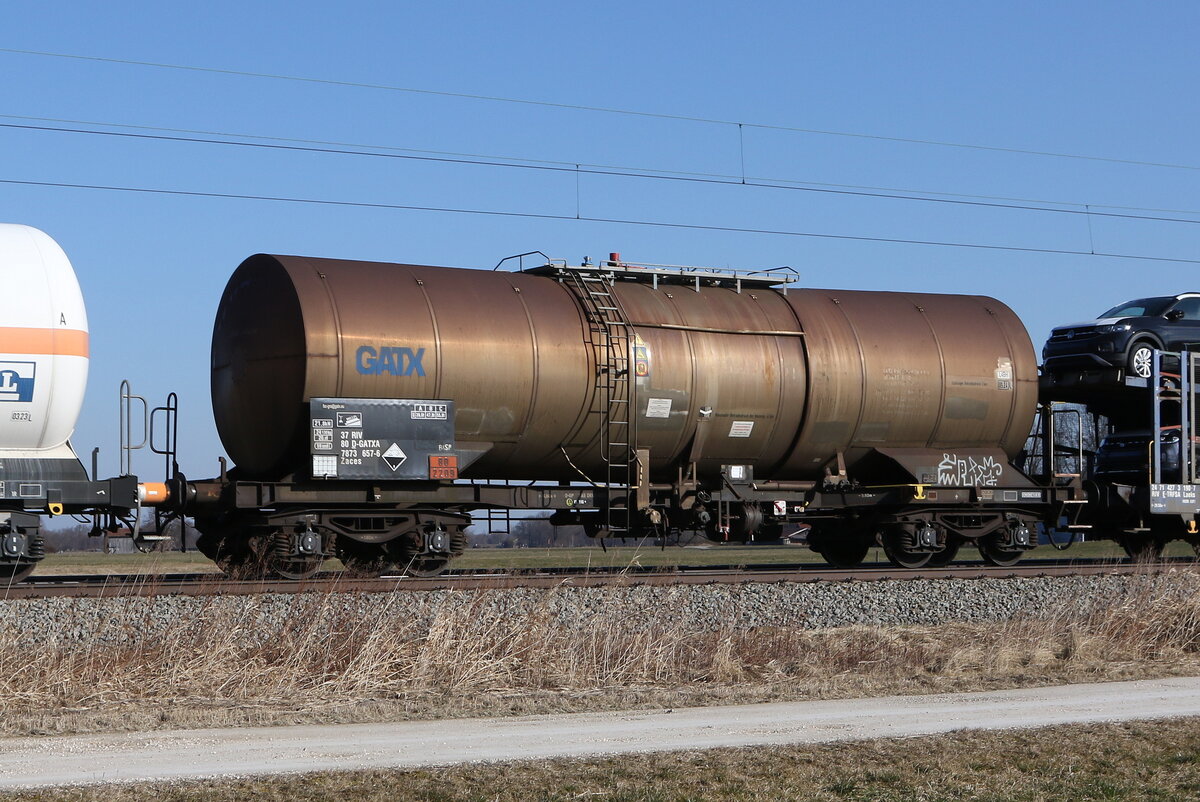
<point>59,342</point>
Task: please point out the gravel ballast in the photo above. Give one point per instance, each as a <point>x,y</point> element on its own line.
<point>693,608</point>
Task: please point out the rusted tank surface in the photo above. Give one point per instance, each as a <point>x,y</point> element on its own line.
<point>909,370</point>
<point>788,381</point>
<point>507,347</point>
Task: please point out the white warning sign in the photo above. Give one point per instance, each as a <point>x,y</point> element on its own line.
<point>394,456</point>
<point>741,428</point>
<point>658,408</point>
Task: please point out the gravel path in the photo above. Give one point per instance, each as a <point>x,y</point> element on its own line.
<point>33,762</point>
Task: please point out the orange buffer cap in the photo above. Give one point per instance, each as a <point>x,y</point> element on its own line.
<point>153,493</point>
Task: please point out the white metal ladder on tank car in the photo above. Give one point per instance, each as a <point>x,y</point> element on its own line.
<point>613,340</point>
<point>610,335</point>
<point>613,399</point>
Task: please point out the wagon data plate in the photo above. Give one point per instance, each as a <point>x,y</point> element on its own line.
<point>382,438</point>
<point>1183,499</point>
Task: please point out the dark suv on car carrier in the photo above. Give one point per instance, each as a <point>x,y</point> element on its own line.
<point>1126,336</point>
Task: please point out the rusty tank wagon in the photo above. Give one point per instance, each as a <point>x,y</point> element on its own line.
<point>368,408</point>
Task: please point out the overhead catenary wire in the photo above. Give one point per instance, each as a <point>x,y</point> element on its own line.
<point>1086,211</point>
<point>336,145</point>
<point>597,219</point>
<point>598,109</point>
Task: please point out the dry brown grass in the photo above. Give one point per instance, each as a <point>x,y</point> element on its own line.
<point>320,662</point>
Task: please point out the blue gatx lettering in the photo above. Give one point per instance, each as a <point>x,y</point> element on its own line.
<point>393,361</point>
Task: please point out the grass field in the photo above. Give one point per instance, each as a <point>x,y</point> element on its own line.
<point>612,557</point>
<point>1142,761</point>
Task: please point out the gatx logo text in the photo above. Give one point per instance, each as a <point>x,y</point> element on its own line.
<point>394,361</point>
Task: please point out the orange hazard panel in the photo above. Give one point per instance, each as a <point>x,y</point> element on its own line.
<point>61,342</point>
<point>443,467</point>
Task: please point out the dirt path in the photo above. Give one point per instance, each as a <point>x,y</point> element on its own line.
<point>27,762</point>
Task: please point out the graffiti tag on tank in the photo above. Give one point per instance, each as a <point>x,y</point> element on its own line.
<point>969,471</point>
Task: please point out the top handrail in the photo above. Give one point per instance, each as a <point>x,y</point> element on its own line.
<point>785,271</point>
<point>782,275</point>
<point>520,257</point>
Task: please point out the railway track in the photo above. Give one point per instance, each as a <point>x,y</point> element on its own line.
<point>131,585</point>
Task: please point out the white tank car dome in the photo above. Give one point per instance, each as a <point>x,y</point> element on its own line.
<point>43,341</point>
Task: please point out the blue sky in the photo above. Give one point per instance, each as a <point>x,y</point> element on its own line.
<point>1097,79</point>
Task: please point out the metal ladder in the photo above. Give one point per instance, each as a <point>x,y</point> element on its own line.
<point>611,337</point>
<point>147,541</point>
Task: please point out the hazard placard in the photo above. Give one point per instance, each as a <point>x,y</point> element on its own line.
<point>381,438</point>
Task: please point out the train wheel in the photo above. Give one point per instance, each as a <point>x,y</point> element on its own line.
<point>239,565</point>
<point>367,561</point>
<point>1194,542</point>
<point>280,560</point>
<point>297,568</point>
<point>256,558</point>
<point>898,546</point>
<point>235,557</point>
<point>1142,548</point>
<point>208,545</point>
<point>399,555</point>
<point>425,567</point>
<point>946,556</point>
<point>432,566</point>
<point>12,573</point>
<point>993,552</point>
<point>362,560</point>
<point>842,552</point>
<point>230,548</point>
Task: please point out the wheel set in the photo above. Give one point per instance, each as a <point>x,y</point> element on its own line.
<point>917,544</point>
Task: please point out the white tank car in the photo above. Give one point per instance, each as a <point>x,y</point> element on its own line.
<point>43,345</point>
